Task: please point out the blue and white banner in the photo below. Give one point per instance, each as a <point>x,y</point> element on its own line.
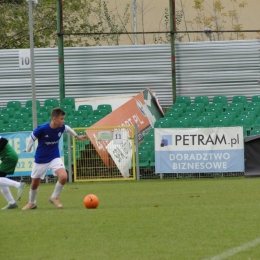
<point>19,141</point>
<point>199,150</point>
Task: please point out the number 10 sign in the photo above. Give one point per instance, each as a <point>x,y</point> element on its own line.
<point>24,59</point>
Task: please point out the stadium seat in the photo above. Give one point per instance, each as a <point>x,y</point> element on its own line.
<point>69,101</point>
<point>28,103</point>
<point>250,117</point>
<point>102,112</point>
<point>168,119</point>
<point>255,98</point>
<point>23,116</point>
<point>178,110</point>
<point>152,159</point>
<point>234,109</point>
<point>208,118</point>
<point>220,105</point>
<point>221,99</point>
<point>67,109</point>
<point>143,159</point>
<point>179,123</point>
<point>5,130</point>
<point>184,99</point>
<point>27,125</point>
<point>243,122</point>
<point>40,121</point>
<point>201,106</point>
<point>213,115</point>
<point>197,110</point>
<point>47,109</point>
<point>1,124</point>
<point>88,108</point>
<point>107,107</point>
<point>220,122</point>
<point>12,127</point>
<point>44,115</point>
<point>250,112</point>
<point>162,124</point>
<point>188,118</point>
<point>24,128</point>
<point>216,110</point>
<point>78,119</point>
<point>239,105</point>
<point>27,110</point>
<point>229,118</point>
<point>52,102</point>
<point>95,117</point>
<point>146,148</point>
<point>173,115</point>
<point>240,99</point>
<point>202,99</point>
<point>231,113</point>
<point>4,118</point>
<point>17,122</point>
<point>255,109</point>
<point>149,137</point>
<point>72,123</point>
<point>14,104</point>
<point>147,143</point>
<point>255,132</point>
<point>83,113</point>
<point>181,105</point>
<point>200,123</point>
<point>190,114</point>
<point>8,110</point>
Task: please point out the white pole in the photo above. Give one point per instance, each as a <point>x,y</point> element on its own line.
<point>34,109</point>
<point>135,22</point>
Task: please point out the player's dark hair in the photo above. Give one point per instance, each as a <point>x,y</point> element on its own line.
<point>56,112</point>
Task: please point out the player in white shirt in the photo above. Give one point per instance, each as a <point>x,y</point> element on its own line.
<point>47,156</point>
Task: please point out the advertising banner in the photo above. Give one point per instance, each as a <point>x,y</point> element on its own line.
<point>143,110</point>
<point>18,141</point>
<point>199,150</point>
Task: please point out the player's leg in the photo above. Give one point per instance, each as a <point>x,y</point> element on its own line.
<point>38,173</point>
<point>9,161</point>
<point>59,170</point>
<point>7,195</point>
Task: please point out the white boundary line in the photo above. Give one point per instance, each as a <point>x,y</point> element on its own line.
<point>235,250</point>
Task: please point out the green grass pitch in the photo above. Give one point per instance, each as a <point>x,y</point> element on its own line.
<point>148,219</point>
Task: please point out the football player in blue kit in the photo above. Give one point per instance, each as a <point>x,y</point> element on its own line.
<point>47,156</point>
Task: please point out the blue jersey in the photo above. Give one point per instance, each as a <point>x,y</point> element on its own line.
<point>48,142</point>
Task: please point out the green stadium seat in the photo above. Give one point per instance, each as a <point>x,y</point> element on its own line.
<point>178,110</point>
<point>44,115</point>
<point>28,103</point>
<point>24,128</point>
<point>250,112</point>
<point>147,143</point>
<point>149,137</point>
<point>147,149</point>
<point>201,106</point>
<point>1,124</point>
<point>40,121</point>
<point>197,110</point>
<point>72,123</point>
<point>17,122</point>
<point>143,159</point>
<point>255,132</point>
<point>12,127</point>
<point>83,113</point>
<point>250,117</point>
<point>102,112</point>
<point>95,117</point>
<point>8,110</point>
<point>23,116</point>
<point>30,125</point>
<point>162,124</point>
<point>179,123</point>
<point>51,102</point>
<point>46,109</point>
<point>181,105</point>
<point>208,118</point>
<point>4,118</point>
<point>14,104</point>
<point>220,105</point>
<point>194,115</point>
<point>240,99</point>
<point>173,115</point>
<point>254,104</point>
<point>245,122</point>
<point>234,109</point>
<point>78,119</point>
<point>213,115</point>
<point>255,98</point>
<point>5,130</point>
<point>27,110</point>
<point>168,119</point>
<point>107,107</point>
<point>220,122</point>
<point>183,99</point>
<point>69,101</point>
<point>152,159</point>
<point>239,105</point>
<point>255,109</point>
<point>231,113</point>
<point>216,110</point>
<point>188,118</point>
<point>200,123</point>
<point>67,109</point>
<point>88,108</point>
<point>202,99</point>
<point>229,118</point>
<point>221,99</point>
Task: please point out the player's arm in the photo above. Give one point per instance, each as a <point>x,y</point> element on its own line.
<point>31,141</point>
<point>73,133</point>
